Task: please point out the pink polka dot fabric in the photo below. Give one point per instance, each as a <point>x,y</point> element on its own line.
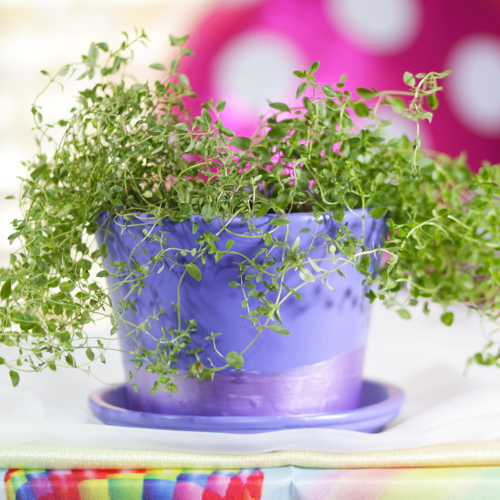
<point>246,51</point>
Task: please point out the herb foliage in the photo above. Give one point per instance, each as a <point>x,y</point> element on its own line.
<point>133,148</point>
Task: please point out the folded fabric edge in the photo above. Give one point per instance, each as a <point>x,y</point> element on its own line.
<point>54,457</point>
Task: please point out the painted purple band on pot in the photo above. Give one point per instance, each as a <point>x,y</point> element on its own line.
<point>326,387</point>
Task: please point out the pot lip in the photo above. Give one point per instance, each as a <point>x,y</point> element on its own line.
<point>295,216</point>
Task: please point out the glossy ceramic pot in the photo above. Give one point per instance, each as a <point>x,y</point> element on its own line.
<point>315,369</point>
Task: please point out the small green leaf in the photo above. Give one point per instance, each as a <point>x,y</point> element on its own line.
<point>338,213</point>
<point>66,286</point>
<point>276,327</point>
<point>103,250</point>
<point>10,197</point>
<point>361,109</point>
<point>364,93</point>
<point>279,131</point>
<point>397,104</point>
<point>301,89</point>
<point>403,313</point>
<point>279,106</point>
<point>159,66</point>
<point>378,213</point>
<point>195,227</point>
<point>447,318</point>
<point>444,73</point>
<point>208,212</point>
<point>278,221</point>
<point>229,244</point>
<point>90,354</point>
<point>173,388</point>
<point>328,90</point>
<point>14,376</point>
<point>220,105</point>
<point>194,271</point>
<point>314,67</point>
<point>306,275</point>
<point>300,74</point>
<point>6,289</point>
<point>207,117</point>
<point>409,79</point>
<point>103,46</point>
<point>371,295</point>
<point>432,101</point>
<point>206,374</point>
<point>70,360</point>
<point>64,70</point>
<point>241,143</point>
<point>174,41</point>
<point>235,359</point>
<point>227,131</point>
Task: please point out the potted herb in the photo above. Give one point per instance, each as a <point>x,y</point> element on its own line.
<point>240,270</point>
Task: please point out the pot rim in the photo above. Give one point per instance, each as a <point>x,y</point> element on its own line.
<point>296,216</point>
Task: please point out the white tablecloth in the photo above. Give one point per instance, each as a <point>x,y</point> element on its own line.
<point>422,356</point>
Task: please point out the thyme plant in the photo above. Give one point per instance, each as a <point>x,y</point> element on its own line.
<point>134,148</point>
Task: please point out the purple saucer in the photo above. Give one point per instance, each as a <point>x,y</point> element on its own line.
<point>380,403</point>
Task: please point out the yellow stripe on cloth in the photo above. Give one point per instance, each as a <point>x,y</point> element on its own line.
<point>48,457</point>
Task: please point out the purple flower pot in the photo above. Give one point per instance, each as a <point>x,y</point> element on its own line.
<point>315,369</point>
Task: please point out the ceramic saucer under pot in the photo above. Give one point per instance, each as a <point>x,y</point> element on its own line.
<point>380,403</point>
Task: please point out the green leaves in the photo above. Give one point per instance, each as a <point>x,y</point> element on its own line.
<point>167,177</point>
<point>14,377</point>
<point>278,221</point>
<point>66,286</point>
<point>432,101</point>
<point>208,212</point>
<point>361,109</point>
<point>404,314</point>
<point>409,79</point>
<point>241,143</point>
<point>364,93</point>
<point>301,89</point>
<point>306,275</point>
<point>279,131</point>
<point>279,106</point>
<point>378,213</point>
<point>275,327</point>
<point>103,46</point>
<point>194,271</point>
<point>6,289</point>
<point>447,318</point>
<point>313,68</point>
<point>235,359</point>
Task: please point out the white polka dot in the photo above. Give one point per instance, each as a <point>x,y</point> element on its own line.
<point>379,26</point>
<point>474,85</point>
<point>405,126</point>
<point>399,126</point>
<point>257,66</point>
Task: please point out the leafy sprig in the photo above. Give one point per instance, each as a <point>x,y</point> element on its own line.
<point>132,149</point>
